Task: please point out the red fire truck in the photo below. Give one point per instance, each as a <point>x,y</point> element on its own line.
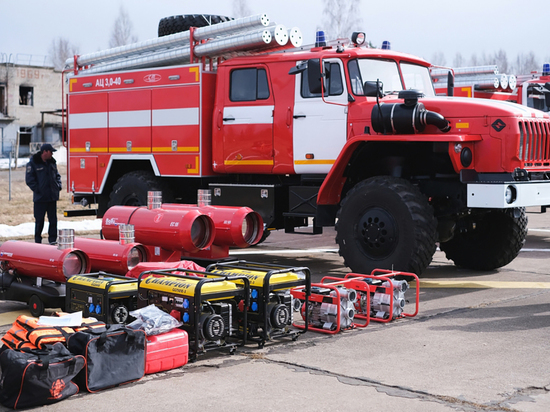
<point>531,90</point>
<point>338,132</point>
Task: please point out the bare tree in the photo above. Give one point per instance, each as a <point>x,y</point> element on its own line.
<point>241,9</point>
<point>526,63</point>
<point>485,59</point>
<point>341,18</point>
<point>458,61</point>
<point>438,59</point>
<point>122,30</point>
<point>501,60</point>
<point>60,51</point>
<point>474,61</point>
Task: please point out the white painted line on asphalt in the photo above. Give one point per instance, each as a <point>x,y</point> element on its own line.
<point>283,251</point>
<point>320,250</point>
<point>487,284</point>
<point>539,230</point>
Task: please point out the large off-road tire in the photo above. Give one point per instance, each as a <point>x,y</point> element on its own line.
<point>177,24</point>
<point>487,240</point>
<point>131,189</point>
<point>265,235</point>
<point>384,223</point>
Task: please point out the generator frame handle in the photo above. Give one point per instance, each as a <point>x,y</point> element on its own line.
<point>116,278</point>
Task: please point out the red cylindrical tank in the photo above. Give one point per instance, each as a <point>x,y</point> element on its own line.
<point>110,256</point>
<point>43,261</point>
<point>235,226</point>
<point>187,230</point>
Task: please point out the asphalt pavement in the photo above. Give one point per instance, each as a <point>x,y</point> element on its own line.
<point>480,342</point>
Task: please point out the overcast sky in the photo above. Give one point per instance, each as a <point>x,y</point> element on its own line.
<point>420,27</point>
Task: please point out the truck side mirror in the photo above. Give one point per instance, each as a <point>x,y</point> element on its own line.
<point>547,94</point>
<point>298,69</point>
<point>450,84</point>
<point>373,89</point>
<point>314,76</point>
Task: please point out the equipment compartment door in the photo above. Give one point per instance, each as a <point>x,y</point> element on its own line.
<point>176,119</point>
<point>130,121</point>
<point>83,174</point>
<point>319,131</point>
<point>247,122</point>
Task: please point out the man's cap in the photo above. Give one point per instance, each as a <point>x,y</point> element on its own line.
<point>47,147</point>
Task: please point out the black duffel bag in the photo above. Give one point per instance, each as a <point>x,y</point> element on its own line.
<point>113,357</point>
<point>35,377</point>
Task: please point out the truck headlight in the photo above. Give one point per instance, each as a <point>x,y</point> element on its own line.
<point>510,195</point>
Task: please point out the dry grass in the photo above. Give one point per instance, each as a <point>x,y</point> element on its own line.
<point>19,209</point>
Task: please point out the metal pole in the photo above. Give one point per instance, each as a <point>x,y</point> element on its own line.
<point>9,177</point>
<point>466,71</point>
<point>176,40</point>
<point>16,154</point>
<point>244,41</point>
<point>43,140</point>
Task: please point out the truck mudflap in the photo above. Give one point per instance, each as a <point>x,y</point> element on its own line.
<point>501,195</point>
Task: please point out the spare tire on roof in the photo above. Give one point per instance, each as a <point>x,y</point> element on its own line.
<point>177,24</point>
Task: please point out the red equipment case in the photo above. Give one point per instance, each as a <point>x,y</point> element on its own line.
<point>166,351</point>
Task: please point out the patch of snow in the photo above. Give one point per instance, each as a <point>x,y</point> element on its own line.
<point>27,229</point>
<point>60,157</point>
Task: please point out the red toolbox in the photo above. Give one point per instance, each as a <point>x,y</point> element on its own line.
<point>166,351</point>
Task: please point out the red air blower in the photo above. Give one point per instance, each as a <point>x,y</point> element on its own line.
<point>36,274</point>
<point>43,261</point>
<point>235,226</point>
<point>111,256</point>
<point>174,230</point>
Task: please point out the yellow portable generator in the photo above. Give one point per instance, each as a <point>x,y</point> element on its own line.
<point>270,313</point>
<point>205,305</point>
<point>106,297</point>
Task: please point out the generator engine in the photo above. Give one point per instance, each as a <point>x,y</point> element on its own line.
<point>214,323</point>
<point>381,301</point>
<point>326,315</point>
<point>279,311</point>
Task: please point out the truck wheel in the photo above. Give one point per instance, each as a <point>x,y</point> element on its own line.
<point>488,240</point>
<point>177,24</point>
<point>386,223</point>
<point>131,189</point>
<point>265,235</point>
<point>36,306</point>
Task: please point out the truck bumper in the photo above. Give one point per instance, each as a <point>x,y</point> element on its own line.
<point>503,195</point>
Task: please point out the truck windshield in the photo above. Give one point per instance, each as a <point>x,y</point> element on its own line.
<point>415,76</point>
<point>418,78</point>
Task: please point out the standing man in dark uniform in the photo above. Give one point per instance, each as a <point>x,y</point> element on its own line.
<point>45,182</point>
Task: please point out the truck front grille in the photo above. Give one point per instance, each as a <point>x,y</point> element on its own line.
<point>534,142</point>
